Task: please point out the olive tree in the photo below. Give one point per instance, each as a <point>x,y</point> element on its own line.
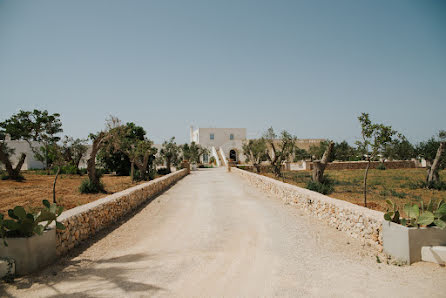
<point>255,152</point>
<point>375,137</point>
<point>31,126</point>
<point>279,150</point>
<point>73,150</point>
<point>434,152</point>
<point>170,153</point>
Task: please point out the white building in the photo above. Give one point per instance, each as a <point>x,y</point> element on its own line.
<point>223,143</point>
<point>22,146</point>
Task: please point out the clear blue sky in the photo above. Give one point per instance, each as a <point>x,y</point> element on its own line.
<point>310,67</point>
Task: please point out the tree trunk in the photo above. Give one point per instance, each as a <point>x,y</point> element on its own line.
<point>257,167</point>
<point>132,170</point>
<point>54,184</point>
<point>320,165</point>
<point>91,163</point>
<point>318,171</point>
<point>13,173</point>
<point>433,176</point>
<point>365,182</point>
<point>168,164</point>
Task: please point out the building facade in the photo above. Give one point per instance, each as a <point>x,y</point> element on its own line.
<point>223,143</point>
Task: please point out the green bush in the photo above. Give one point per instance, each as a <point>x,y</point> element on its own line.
<point>400,195</point>
<point>88,187</point>
<point>324,188</point>
<point>381,167</point>
<point>440,185</point>
<point>163,171</point>
<point>6,177</point>
<point>69,169</point>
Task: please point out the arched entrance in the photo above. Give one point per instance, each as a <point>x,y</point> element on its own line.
<point>233,155</point>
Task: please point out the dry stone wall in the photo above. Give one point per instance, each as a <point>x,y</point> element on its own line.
<point>359,222</point>
<point>355,165</point>
<point>84,221</point>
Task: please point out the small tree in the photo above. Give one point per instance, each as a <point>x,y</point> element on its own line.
<point>437,163</point>
<point>279,150</point>
<point>73,150</point>
<point>399,149</point>
<point>374,139</point>
<point>116,161</point>
<point>343,152</point>
<point>141,154</point>
<point>301,154</point>
<point>37,126</point>
<point>255,152</point>
<point>99,139</point>
<point>170,153</point>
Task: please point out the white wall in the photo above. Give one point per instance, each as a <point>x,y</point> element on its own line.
<point>221,136</point>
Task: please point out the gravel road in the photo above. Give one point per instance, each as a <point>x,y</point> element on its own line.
<point>214,235</point>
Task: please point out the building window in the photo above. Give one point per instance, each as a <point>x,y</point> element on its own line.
<point>205,158</point>
<point>231,136</point>
<point>211,136</point>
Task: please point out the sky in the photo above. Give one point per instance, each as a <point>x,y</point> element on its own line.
<point>309,67</point>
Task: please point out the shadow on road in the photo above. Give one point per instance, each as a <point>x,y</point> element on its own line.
<point>90,276</point>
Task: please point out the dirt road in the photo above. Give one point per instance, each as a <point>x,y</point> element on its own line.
<point>213,235</point>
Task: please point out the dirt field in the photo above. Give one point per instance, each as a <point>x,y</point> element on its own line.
<point>398,185</point>
<point>31,192</point>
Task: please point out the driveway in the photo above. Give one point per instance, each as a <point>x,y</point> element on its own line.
<point>214,235</point>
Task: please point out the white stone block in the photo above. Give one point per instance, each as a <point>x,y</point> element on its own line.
<point>434,254</point>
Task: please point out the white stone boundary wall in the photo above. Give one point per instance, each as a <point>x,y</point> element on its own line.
<point>359,222</point>
<point>84,221</point>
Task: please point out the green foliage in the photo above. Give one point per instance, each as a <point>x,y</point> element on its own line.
<point>279,150</point>
<point>163,171</point>
<point>317,151</point>
<point>381,167</point>
<point>343,152</point>
<point>399,149</point>
<point>115,160</point>
<point>193,152</point>
<point>301,154</point>
<point>255,152</point>
<point>24,224</point>
<point>170,153</point>
<point>17,178</point>
<point>88,186</point>
<point>434,214</point>
<point>428,151</point>
<point>397,194</point>
<point>326,187</point>
<point>73,150</point>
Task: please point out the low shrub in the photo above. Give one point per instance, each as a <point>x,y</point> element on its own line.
<point>440,185</point>
<point>400,195</point>
<point>324,188</point>
<point>381,167</point>
<point>88,187</point>
<point>18,178</point>
<point>163,171</point>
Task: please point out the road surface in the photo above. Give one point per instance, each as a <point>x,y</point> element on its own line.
<point>214,235</point>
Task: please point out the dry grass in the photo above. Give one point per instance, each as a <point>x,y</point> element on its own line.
<point>398,185</point>
<point>30,192</point>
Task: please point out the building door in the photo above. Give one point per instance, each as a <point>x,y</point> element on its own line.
<point>233,155</point>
